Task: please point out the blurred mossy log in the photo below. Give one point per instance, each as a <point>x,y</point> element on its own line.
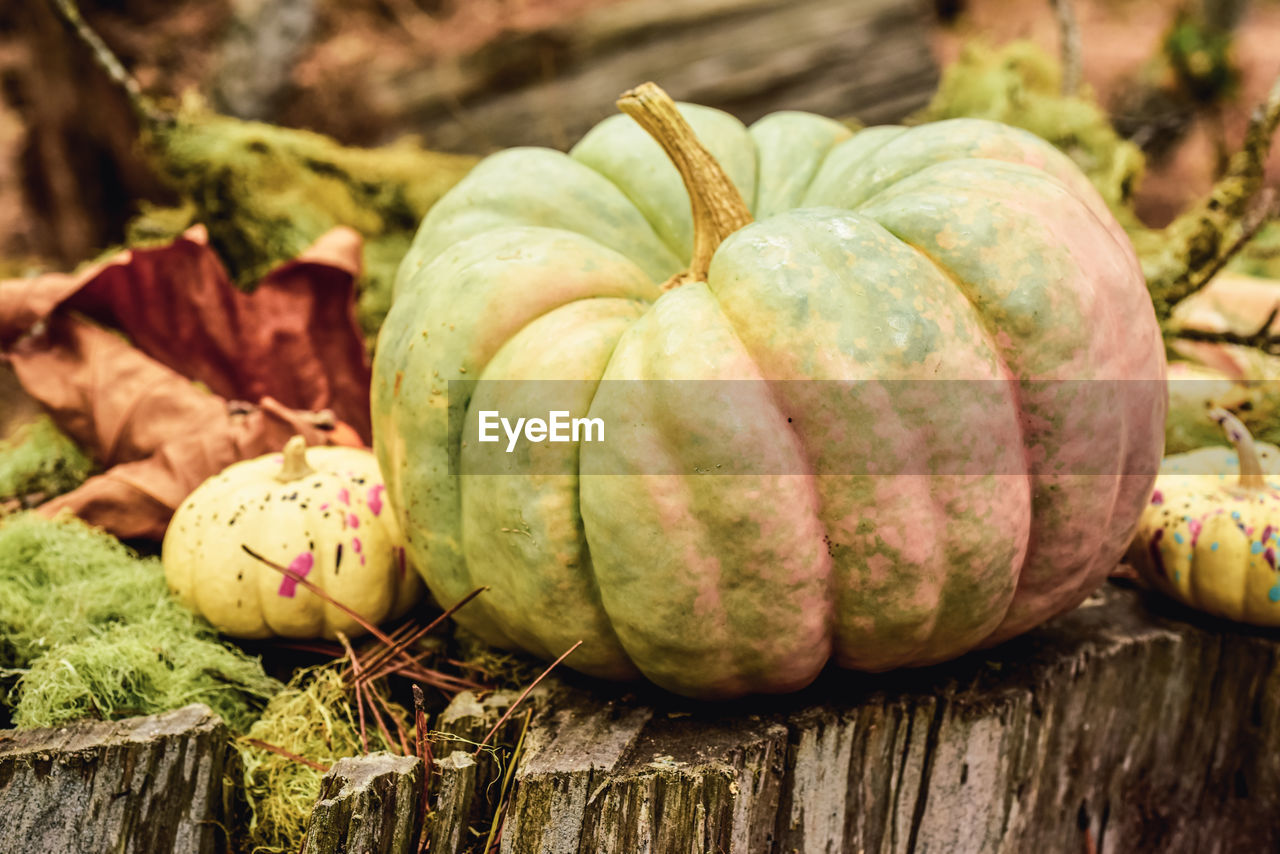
<point>865,58</point>
<point>1118,724</point>
<point>368,805</point>
<point>1021,85</point>
<point>1193,74</point>
<point>136,786</point>
<point>266,193</point>
<point>1181,258</point>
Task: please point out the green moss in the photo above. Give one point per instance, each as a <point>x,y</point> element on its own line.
<point>91,631</point>
<point>41,459</point>
<point>266,193</point>
<point>1019,84</point>
<point>311,718</point>
<point>1201,59</point>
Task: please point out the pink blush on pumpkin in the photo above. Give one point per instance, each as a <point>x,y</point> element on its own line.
<point>299,566</point>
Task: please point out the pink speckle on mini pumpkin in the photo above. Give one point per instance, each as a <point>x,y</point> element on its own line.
<point>299,566</point>
<point>344,496</point>
<point>353,520</point>
<point>357,545</point>
<point>375,498</point>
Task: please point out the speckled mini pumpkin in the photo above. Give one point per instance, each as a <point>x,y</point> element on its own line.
<point>1209,536</point>
<point>319,511</point>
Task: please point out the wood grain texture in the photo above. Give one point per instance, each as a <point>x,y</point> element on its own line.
<point>368,805</point>
<point>1144,731</point>
<point>140,785</point>
<point>1129,722</point>
<point>455,792</point>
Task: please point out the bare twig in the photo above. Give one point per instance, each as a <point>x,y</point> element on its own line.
<point>424,753</point>
<point>504,795</point>
<point>376,668</point>
<point>355,666</point>
<point>1264,339</point>
<point>1267,209</point>
<point>280,751</point>
<point>502,720</point>
<point>106,59</point>
<point>401,735</point>
<point>1069,34</point>
<point>319,591</point>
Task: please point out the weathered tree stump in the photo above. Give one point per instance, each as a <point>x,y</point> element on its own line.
<point>1129,724</point>
<point>368,805</point>
<point>864,58</point>
<point>140,785</point>
<point>454,798</point>
<point>1140,730</point>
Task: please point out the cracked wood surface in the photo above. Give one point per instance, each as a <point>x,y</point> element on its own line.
<point>1144,727</point>
<point>136,786</point>
<point>1130,722</point>
<point>368,805</point>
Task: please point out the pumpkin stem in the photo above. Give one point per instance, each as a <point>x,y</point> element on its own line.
<point>1251,476</point>
<point>295,461</point>
<point>718,208</point>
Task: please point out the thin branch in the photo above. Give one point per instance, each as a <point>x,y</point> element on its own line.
<point>289,573</point>
<point>376,668</point>
<point>1253,221</point>
<point>1069,35</point>
<point>383,707</point>
<point>502,720</point>
<point>1264,339</point>
<point>500,816</point>
<point>280,751</point>
<point>69,13</point>
<point>355,666</point>
<point>423,743</point>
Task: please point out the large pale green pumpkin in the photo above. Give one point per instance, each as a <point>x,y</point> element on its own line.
<point>963,250</point>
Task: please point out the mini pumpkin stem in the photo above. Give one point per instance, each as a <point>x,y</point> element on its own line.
<point>718,208</point>
<point>295,461</point>
<point>1251,475</point>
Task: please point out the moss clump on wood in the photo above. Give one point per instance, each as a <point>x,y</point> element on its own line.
<point>1020,85</point>
<point>313,719</point>
<point>90,630</point>
<point>41,460</point>
<point>266,193</point>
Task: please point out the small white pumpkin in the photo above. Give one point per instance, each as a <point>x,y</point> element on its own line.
<point>319,511</point>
